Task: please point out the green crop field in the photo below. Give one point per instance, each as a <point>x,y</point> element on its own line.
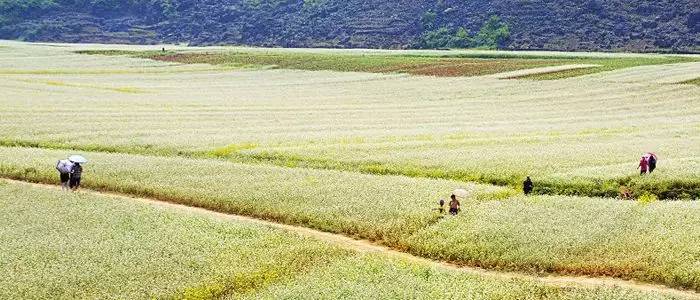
<point>81,246</point>
<point>355,143</point>
<point>649,242</point>
<point>590,129</point>
<point>87,246</point>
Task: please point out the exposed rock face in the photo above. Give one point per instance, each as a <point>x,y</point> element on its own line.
<point>646,25</point>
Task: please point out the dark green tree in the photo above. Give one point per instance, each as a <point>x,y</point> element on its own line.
<point>493,34</point>
<point>428,20</point>
<point>434,39</point>
<point>461,39</point>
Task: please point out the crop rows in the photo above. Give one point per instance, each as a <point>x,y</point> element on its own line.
<point>79,246</point>
<point>369,154</point>
<point>483,129</point>
<point>87,246</point>
<point>400,212</point>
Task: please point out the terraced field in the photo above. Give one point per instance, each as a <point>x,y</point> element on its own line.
<point>360,144</point>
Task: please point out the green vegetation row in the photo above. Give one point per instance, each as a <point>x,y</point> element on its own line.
<point>668,188</point>
<point>447,65</point>
<point>654,242</point>
<point>492,35</point>
<point>111,248</point>
<point>695,81</point>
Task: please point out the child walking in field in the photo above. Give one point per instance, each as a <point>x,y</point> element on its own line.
<point>441,209</point>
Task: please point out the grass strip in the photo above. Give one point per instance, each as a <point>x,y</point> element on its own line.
<point>448,65</point>
<point>695,81</point>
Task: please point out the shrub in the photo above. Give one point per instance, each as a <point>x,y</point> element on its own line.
<point>647,198</point>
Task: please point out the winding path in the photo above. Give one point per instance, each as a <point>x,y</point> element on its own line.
<point>365,246</point>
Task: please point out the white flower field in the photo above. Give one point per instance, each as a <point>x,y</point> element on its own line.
<point>358,148</point>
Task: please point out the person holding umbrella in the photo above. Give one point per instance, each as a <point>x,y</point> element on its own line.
<point>652,161</point>
<point>64,167</point>
<point>76,171</point>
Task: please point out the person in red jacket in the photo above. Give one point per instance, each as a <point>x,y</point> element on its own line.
<point>643,166</point>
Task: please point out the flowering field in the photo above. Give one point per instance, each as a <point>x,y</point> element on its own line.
<point>590,236</point>
<point>466,128</point>
<point>655,242</point>
<point>365,153</point>
<point>372,276</point>
<point>382,208</point>
<point>57,245</point>
<point>65,246</point>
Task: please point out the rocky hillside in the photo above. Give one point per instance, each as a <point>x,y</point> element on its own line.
<point>613,25</point>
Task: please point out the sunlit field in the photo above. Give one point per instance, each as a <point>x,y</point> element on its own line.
<point>358,143</point>
<point>581,135</point>
<point>86,246</point>
<point>80,246</point>
<point>585,236</point>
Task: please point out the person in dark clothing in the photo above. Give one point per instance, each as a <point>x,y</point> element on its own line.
<point>527,186</point>
<point>454,205</point>
<point>652,163</point>
<point>75,174</point>
<point>64,166</point>
<point>441,209</point>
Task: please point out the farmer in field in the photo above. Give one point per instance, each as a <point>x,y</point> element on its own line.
<point>527,186</point>
<point>454,205</point>
<point>64,167</point>
<point>652,162</point>
<point>643,165</point>
<point>75,173</point>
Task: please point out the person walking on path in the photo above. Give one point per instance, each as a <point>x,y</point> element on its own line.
<point>75,174</point>
<point>527,186</point>
<point>64,167</point>
<point>454,205</point>
<point>643,166</point>
<point>652,163</point>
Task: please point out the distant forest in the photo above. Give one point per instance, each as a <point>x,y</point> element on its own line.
<point>588,25</point>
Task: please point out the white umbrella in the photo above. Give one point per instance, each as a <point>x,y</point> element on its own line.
<point>461,193</point>
<point>650,154</point>
<point>78,159</point>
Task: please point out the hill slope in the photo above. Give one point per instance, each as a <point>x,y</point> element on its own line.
<point>647,25</point>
